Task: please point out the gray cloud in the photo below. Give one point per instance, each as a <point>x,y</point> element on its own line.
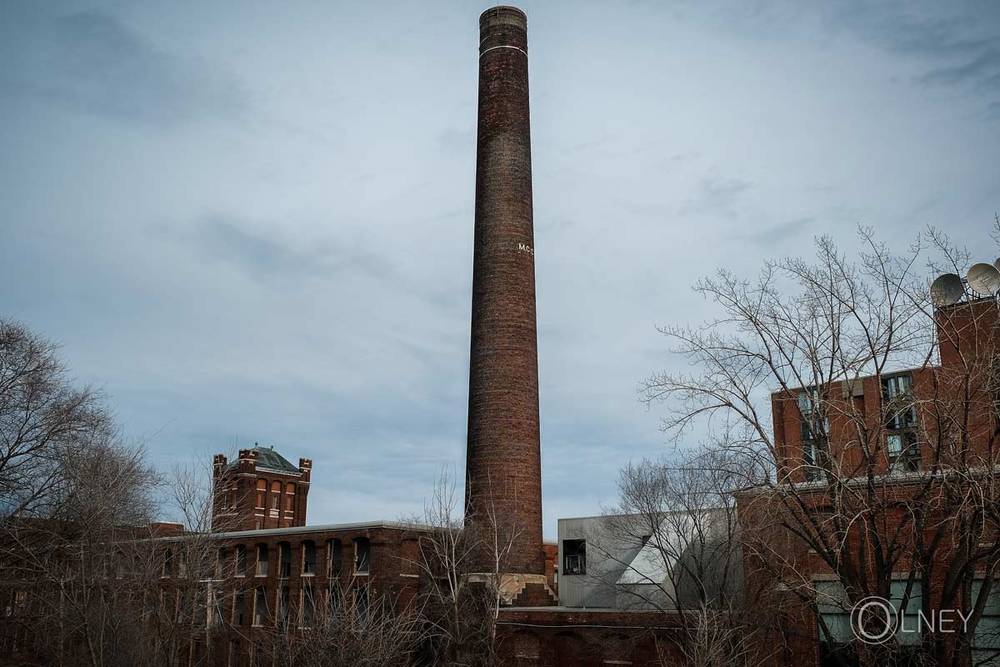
<point>93,63</point>
<point>957,43</point>
<point>268,257</point>
<point>984,70</point>
<point>716,194</point>
<point>788,232</point>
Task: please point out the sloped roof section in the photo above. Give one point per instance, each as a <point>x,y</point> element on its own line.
<point>268,458</point>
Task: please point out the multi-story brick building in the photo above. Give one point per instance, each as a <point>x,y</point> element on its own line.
<point>886,486</point>
<point>265,582</point>
<point>261,489</point>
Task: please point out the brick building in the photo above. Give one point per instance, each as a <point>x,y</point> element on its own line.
<point>874,479</point>
<point>261,489</point>
<point>268,579</point>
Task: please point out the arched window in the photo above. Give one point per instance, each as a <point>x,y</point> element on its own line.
<point>334,558</point>
<point>308,557</point>
<point>168,563</point>
<point>261,492</point>
<point>275,495</point>
<point>362,555</point>
<point>289,497</point>
<point>284,560</point>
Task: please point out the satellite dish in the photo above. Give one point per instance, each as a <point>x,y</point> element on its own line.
<point>984,279</point>
<point>947,289</point>
<point>997,263</point>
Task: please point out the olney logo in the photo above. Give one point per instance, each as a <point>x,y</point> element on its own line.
<point>875,620</point>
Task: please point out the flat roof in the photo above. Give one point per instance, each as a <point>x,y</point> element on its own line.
<point>319,528</point>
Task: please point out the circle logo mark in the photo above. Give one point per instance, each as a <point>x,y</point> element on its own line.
<point>873,620</point>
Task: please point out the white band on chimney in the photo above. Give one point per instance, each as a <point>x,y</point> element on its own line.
<point>504,46</point>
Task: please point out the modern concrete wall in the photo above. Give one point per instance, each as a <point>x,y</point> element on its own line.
<point>607,559</point>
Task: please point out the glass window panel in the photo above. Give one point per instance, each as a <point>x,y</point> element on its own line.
<point>987,635</point>
<point>992,607</point>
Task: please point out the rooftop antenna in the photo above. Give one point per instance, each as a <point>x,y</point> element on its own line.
<point>983,279</point>
<point>947,289</point>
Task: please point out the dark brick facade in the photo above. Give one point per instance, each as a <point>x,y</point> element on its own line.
<point>562,637</point>
<point>259,490</point>
<point>503,476</point>
<point>309,563</point>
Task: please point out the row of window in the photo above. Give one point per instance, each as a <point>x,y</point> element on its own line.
<point>263,500</point>
<point>900,425</point>
<point>253,606</point>
<point>275,496</point>
<point>835,614</point>
<point>307,565</point>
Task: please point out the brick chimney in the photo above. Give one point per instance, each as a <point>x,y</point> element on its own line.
<point>503,467</point>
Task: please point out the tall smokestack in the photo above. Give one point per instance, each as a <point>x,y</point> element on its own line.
<point>503,470</point>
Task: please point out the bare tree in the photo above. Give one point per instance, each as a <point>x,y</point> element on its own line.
<point>672,544</point>
<point>905,517</point>
<point>71,575</point>
<point>43,420</point>
<point>460,602</point>
<point>349,626</point>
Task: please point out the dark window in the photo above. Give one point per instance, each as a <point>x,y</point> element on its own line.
<point>815,428</point>
<point>239,609</point>
<point>335,599</point>
<point>901,444</point>
<point>900,411</point>
<point>260,606</point>
<point>283,606</point>
<point>904,454</point>
<point>334,558</point>
<point>275,495</point>
<point>574,557</point>
<point>308,557</point>
<point>261,560</point>
<point>261,492</point>
<point>217,606</point>
<point>168,563</point>
<point>308,604</point>
<point>220,562</point>
<point>241,561</point>
<point>289,497</point>
<point>285,562</point>
<point>362,555</point>
<point>361,605</point>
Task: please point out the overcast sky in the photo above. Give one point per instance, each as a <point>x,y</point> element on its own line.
<point>252,221</point>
